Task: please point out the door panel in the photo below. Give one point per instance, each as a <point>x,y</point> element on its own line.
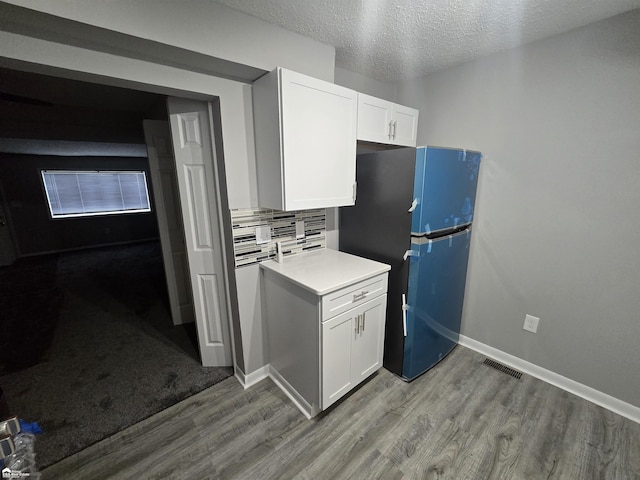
<point>405,127</point>
<point>446,182</point>
<point>368,344</point>
<point>437,280</point>
<point>374,118</point>
<point>195,167</point>
<point>319,123</point>
<point>167,204</point>
<point>336,357</point>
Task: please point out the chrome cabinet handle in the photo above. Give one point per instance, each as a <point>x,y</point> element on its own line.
<point>357,322</point>
<point>394,129</point>
<point>390,127</point>
<point>360,296</point>
<point>364,319</point>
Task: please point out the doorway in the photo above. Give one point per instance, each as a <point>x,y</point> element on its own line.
<point>120,287</point>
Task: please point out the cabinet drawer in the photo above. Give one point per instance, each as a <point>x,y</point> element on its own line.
<point>342,300</point>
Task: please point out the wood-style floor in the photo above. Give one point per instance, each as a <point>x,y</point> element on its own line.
<point>461,420</point>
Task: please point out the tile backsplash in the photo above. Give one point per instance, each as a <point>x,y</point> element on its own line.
<point>282,227</point>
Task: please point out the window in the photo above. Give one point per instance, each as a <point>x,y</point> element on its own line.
<point>89,193</point>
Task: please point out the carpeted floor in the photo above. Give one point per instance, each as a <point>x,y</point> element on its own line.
<point>115,357</point>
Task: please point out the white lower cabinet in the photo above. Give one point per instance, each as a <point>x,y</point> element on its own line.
<point>352,347</point>
<point>323,340</point>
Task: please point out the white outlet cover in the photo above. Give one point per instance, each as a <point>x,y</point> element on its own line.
<point>531,323</point>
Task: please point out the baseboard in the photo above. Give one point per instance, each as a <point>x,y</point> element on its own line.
<point>595,396</point>
<point>240,376</point>
<point>290,392</point>
<point>249,379</point>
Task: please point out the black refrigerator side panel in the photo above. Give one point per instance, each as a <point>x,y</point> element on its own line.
<point>379,227</point>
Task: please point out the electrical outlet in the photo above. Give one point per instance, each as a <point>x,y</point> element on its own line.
<point>531,323</point>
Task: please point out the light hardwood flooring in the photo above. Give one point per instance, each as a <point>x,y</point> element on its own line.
<point>461,420</point>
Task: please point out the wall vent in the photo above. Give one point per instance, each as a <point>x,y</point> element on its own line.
<point>503,368</point>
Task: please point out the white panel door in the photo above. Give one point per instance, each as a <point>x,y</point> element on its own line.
<point>337,335</point>
<point>162,166</point>
<point>195,168</point>
<point>374,119</point>
<point>319,122</point>
<point>368,343</point>
<point>405,126</point>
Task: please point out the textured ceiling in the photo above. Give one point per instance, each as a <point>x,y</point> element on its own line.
<point>398,39</point>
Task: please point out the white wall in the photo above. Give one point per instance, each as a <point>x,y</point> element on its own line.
<point>199,26</point>
<point>364,84</point>
<point>556,232</point>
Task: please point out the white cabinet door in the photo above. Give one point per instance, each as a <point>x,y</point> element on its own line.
<point>368,343</point>
<point>374,119</point>
<point>319,122</point>
<point>405,126</point>
<point>337,335</point>
<point>305,131</point>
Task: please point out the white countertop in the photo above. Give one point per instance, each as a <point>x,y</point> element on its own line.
<point>324,271</point>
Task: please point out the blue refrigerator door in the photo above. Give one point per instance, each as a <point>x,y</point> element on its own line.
<point>437,276</point>
<point>444,189</point>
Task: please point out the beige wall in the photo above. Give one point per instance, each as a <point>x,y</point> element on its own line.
<point>556,232</point>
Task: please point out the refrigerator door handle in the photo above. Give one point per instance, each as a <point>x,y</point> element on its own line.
<point>404,314</point>
<point>414,205</point>
<point>410,253</point>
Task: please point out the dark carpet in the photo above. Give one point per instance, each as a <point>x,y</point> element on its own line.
<point>90,348</point>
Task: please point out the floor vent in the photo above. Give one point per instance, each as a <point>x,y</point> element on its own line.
<point>503,368</point>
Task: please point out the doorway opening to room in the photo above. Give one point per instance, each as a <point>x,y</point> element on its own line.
<point>90,344</point>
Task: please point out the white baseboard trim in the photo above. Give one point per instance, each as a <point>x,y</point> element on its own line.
<point>291,392</point>
<point>248,380</point>
<point>595,396</point>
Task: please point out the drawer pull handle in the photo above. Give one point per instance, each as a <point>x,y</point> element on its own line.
<point>360,296</point>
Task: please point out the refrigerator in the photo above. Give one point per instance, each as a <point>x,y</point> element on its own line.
<point>414,211</point>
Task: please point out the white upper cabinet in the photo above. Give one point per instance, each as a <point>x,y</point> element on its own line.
<point>305,132</point>
<point>381,121</point>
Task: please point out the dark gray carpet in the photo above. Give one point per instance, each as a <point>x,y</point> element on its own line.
<point>115,357</point>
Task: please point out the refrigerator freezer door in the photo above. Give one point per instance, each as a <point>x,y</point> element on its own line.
<point>445,186</point>
<point>436,290</point>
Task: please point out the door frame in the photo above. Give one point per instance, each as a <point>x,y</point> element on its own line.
<point>6,213</point>
<point>229,112</point>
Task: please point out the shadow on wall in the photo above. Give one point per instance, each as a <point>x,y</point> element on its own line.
<point>618,42</point>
